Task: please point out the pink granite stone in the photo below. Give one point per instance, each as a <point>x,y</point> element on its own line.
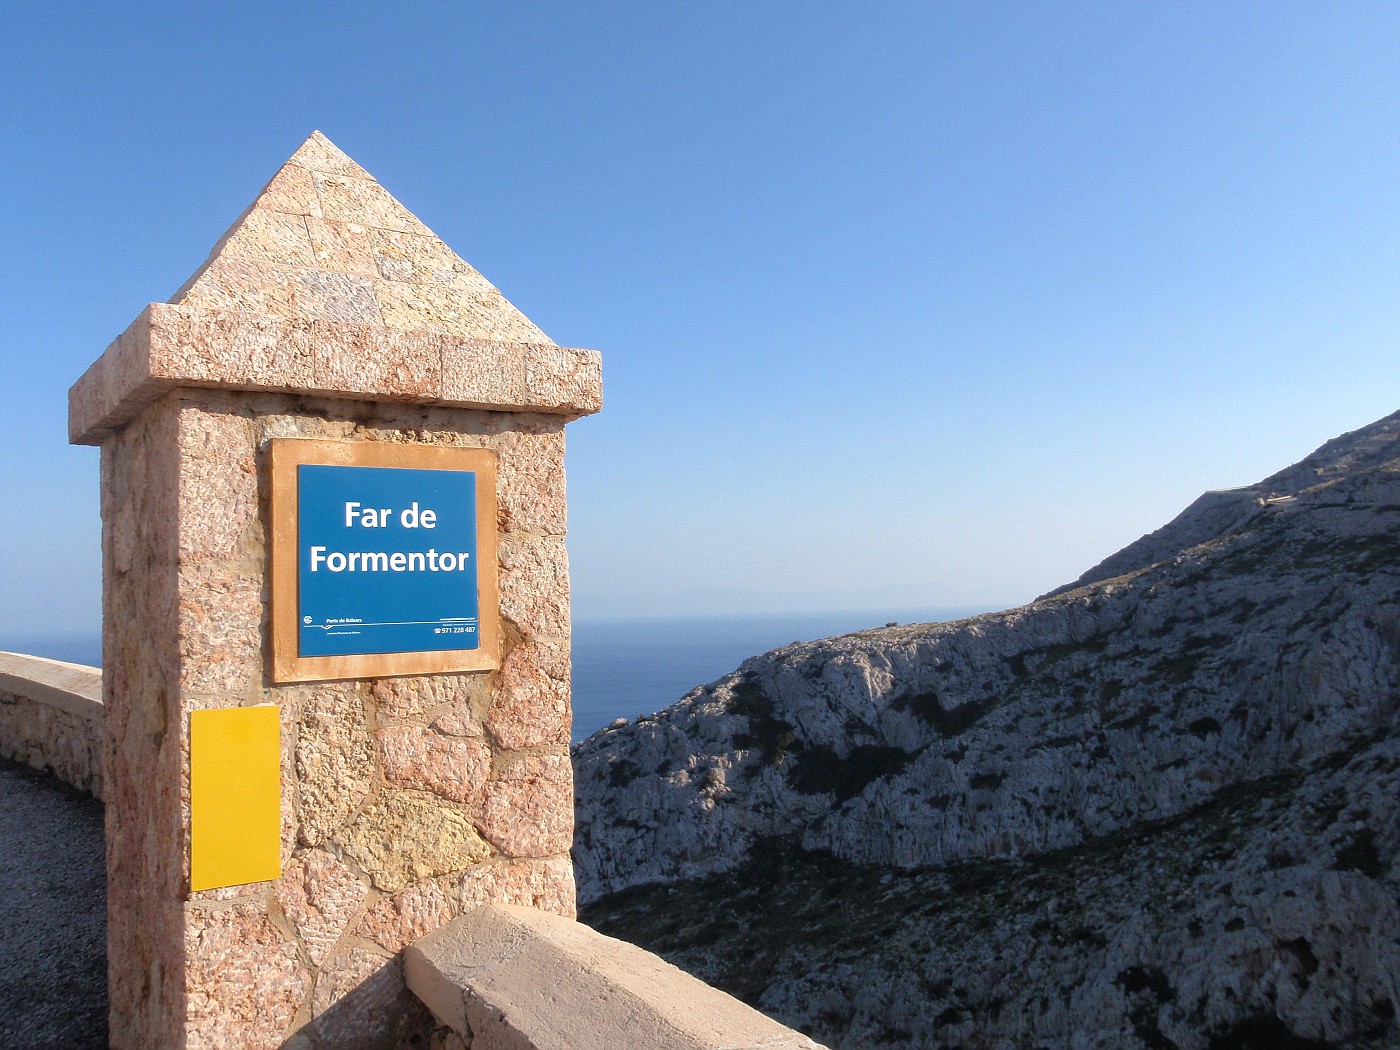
<point>241,284</point>
<point>218,485</point>
<point>546,883</point>
<point>244,980</point>
<point>225,347</point>
<point>344,247</point>
<point>292,191</point>
<point>361,1002</point>
<point>535,584</point>
<point>460,720</point>
<point>531,704</point>
<point>399,364</point>
<point>415,258</point>
<point>345,198</point>
<point>334,758</point>
<point>483,372</point>
<point>531,480</point>
<point>320,896</point>
<point>325,296</point>
<point>451,767</point>
<point>319,153</point>
<point>115,386</point>
<point>220,639</point>
<point>560,376</point>
<point>398,921</point>
<point>417,695</point>
<point>528,809</point>
<point>485,314</point>
<point>268,237</point>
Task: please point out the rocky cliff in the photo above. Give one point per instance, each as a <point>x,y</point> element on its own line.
<point>1155,808</point>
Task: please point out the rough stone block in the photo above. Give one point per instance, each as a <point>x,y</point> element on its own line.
<point>535,584</point>
<point>218,484</point>
<point>220,639</point>
<point>354,359</point>
<point>557,375</point>
<point>451,767</point>
<point>397,921</point>
<point>546,883</point>
<point>345,198</point>
<point>531,703</point>
<point>342,247</point>
<point>496,972</point>
<point>266,236</point>
<point>402,838</point>
<point>531,480</point>
<point>453,311</point>
<point>244,980</point>
<point>415,696</point>
<point>325,296</point>
<point>116,386</point>
<point>478,371</point>
<point>360,1001</point>
<point>292,191</point>
<point>334,758</point>
<point>528,809</point>
<point>244,285</point>
<point>417,259</point>
<point>319,153</point>
<point>415,910</point>
<point>320,896</point>
<point>219,347</point>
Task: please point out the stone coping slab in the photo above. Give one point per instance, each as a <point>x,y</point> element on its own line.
<point>74,688</point>
<point>170,346</point>
<point>515,978</point>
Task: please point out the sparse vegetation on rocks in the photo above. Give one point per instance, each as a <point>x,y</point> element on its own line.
<point>1153,809</point>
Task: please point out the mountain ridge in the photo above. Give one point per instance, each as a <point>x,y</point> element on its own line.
<point>1252,636</point>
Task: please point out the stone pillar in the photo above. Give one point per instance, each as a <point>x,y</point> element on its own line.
<point>328,311</point>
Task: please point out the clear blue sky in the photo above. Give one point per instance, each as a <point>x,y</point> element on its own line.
<point>899,304</point>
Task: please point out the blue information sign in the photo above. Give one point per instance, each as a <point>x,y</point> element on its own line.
<point>386,560</point>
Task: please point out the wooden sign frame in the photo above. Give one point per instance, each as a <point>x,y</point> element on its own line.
<point>285,455</point>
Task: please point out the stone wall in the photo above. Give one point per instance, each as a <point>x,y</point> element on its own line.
<point>493,976</point>
<point>51,718</point>
<point>405,800</point>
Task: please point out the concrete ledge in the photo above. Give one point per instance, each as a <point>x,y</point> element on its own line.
<point>183,346</point>
<point>52,718</point>
<point>512,978</point>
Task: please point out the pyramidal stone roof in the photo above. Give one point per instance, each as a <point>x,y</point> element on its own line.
<point>324,241</point>
<point>327,286</point>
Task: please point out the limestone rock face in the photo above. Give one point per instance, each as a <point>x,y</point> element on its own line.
<point>1206,732</point>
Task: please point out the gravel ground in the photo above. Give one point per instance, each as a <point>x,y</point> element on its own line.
<point>53,917</point>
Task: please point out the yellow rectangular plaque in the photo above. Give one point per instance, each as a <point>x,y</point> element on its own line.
<point>235,797</point>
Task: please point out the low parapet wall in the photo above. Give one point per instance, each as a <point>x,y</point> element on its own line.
<point>511,978</point>
<point>51,718</point>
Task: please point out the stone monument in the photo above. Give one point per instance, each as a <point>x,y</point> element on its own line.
<point>327,312</point>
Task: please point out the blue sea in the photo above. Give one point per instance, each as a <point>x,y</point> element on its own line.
<point>626,668</point>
